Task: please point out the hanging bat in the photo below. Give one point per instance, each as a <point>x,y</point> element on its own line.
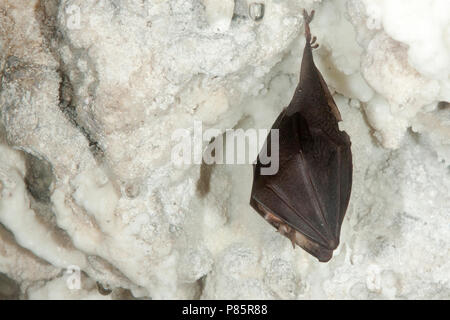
<point>307,198</point>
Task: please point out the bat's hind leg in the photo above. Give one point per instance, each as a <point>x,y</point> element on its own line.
<point>308,18</point>
<point>313,43</point>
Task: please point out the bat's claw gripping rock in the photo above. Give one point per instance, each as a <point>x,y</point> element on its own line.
<point>308,18</point>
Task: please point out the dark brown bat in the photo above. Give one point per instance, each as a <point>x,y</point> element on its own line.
<point>307,198</point>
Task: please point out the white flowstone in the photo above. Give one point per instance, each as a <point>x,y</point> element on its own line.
<point>99,99</point>
<point>219,14</point>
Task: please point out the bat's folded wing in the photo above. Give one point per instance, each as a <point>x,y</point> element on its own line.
<point>310,192</point>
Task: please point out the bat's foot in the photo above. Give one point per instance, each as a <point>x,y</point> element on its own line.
<point>308,18</point>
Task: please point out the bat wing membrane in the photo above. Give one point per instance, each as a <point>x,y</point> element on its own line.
<point>309,192</point>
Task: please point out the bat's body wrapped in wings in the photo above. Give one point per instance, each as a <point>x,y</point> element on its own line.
<point>307,198</point>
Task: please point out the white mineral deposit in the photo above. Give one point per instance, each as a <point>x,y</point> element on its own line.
<point>92,207</point>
